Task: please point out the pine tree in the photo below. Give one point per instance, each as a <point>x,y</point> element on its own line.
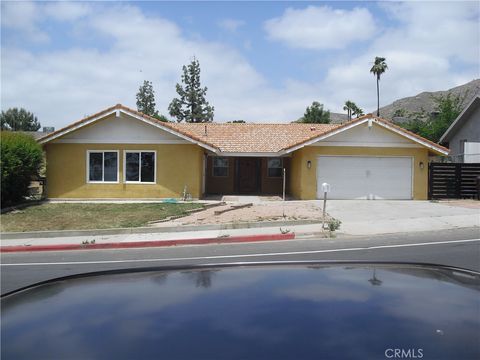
<point>316,114</point>
<point>191,106</point>
<point>146,99</point>
<point>19,120</point>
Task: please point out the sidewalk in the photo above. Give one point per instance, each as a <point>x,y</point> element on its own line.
<point>161,239</point>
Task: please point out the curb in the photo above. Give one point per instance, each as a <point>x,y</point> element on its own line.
<point>144,244</point>
<point>151,230</point>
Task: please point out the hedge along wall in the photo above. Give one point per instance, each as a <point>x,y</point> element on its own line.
<point>21,158</point>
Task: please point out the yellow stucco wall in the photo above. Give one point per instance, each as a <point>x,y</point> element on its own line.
<point>304,181</point>
<point>177,165</point>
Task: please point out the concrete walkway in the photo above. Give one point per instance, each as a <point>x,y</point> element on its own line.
<point>363,217</point>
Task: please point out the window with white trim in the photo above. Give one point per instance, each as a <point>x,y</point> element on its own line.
<point>275,166</point>
<point>140,167</point>
<point>220,167</point>
<point>102,166</point>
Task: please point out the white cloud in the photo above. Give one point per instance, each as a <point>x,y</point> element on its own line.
<point>321,27</point>
<point>67,11</point>
<point>231,25</point>
<point>447,29</point>
<point>23,17</point>
<point>422,54</point>
<point>61,86</point>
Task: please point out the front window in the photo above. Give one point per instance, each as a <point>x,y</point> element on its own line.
<point>140,166</point>
<point>102,166</point>
<point>275,166</point>
<point>220,166</point>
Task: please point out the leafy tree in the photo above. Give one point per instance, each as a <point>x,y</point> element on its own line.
<point>378,68</point>
<point>237,122</point>
<point>191,106</point>
<point>432,126</point>
<point>315,114</point>
<point>146,99</point>
<point>15,119</point>
<point>21,159</point>
<point>160,117</point>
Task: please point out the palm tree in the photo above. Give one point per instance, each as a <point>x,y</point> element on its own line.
<point>378,68</point>
<point>357,111</point>
<point>349,107</point>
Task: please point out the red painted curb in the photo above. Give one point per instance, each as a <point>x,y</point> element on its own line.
<point>154,243</point>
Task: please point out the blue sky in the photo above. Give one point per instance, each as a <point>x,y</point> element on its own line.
<point>262,61</point>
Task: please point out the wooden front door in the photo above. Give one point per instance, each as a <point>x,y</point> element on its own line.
<point>247,175</point>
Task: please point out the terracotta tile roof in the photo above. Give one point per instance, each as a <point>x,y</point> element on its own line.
<point>253,138</point>
<point>243,137</point>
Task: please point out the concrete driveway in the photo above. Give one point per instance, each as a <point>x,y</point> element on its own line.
<point>363,217</point>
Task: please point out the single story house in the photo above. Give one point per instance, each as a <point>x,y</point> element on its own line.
<point>463,136</point>
<point>121,153</point>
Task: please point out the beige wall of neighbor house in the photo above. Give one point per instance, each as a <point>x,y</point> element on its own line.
<point>177,165</point>
<point>303,184</point>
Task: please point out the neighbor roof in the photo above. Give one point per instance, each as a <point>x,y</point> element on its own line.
<point>458,122</point>
<point>252,138</point>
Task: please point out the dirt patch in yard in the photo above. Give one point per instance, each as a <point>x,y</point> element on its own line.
<point>464,203</point>
<point>254,213</point>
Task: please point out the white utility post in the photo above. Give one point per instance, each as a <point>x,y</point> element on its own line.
<point>325,189</point>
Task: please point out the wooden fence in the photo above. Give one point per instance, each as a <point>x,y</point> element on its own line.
<point>453,180</point>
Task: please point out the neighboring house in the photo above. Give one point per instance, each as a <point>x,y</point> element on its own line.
<point>463,136</point>
<point>121,153</point>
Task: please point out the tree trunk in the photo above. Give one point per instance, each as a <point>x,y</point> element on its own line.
<point>378,98</point>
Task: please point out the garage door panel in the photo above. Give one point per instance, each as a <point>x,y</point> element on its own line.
<point>355,177</point>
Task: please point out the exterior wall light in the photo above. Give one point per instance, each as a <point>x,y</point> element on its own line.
<point>421,165</point>
<point>309,164</point>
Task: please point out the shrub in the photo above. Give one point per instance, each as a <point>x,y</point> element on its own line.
<point>20,160</point>
<point>334,224</point>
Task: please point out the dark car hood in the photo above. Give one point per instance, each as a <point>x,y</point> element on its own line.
<point>291,311</point>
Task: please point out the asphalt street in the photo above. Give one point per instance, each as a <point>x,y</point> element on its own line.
<point>460,248</point>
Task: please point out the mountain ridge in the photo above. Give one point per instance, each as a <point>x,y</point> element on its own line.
<point>421,101</point>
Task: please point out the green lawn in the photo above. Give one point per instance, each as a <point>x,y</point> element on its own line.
<point>89,216</point>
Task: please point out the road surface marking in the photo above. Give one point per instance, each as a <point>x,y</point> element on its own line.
<point>243,255</point>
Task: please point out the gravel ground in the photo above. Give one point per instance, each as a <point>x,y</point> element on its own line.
<point>257,212</point>
<point>465,203</point>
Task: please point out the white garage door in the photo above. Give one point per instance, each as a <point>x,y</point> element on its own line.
<point>355,177</point>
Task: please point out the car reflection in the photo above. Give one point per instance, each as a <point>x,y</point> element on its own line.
<point>275,312</point>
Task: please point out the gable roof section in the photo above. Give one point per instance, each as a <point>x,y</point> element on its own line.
<point>138,115</point>
<point>254,139</point>
<point>438,149</point>
<point>460,120</point>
